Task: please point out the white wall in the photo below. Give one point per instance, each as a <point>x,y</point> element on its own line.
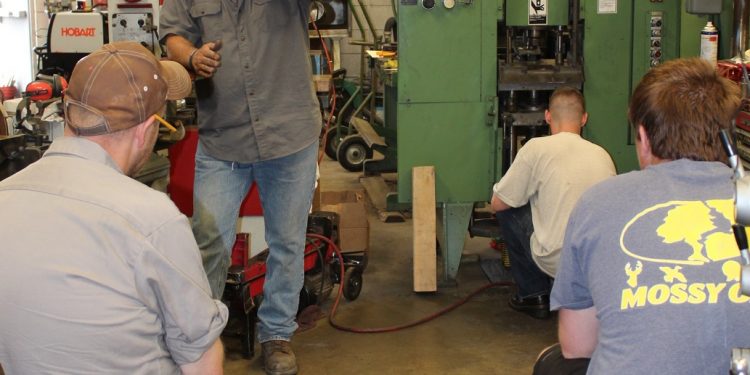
<point>17,61</point>
<point>39,25</point>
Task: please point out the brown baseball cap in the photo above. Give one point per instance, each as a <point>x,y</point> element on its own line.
<point>120,86</point>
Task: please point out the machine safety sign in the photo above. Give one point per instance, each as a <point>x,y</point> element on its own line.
<point>537,12</point>
<point>606,6</point>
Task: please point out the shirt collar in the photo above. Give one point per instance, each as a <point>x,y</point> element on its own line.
<point>82,148</point>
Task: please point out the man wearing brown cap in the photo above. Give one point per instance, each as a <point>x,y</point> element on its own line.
<point>101,274</point>
<point>259,122</point>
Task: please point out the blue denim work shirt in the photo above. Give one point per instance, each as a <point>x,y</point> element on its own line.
<point>261,103</point>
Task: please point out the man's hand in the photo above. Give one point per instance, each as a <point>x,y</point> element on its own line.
<point>206,60</point>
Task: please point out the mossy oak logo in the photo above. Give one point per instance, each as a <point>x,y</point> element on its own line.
<point>689,235</point>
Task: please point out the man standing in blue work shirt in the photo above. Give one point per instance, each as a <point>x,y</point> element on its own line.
<point>258,121</point>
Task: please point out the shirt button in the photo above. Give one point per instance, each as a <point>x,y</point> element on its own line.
<point>252,93</point>
<point>247,66</point>
<point>256,119</point>
<point>242,38</point>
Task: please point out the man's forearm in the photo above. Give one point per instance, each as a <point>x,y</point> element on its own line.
<point>210,363</point>
<point>498,204</point>
<point>578,332</point>
<point>203,60</point>
<point>179,50</point>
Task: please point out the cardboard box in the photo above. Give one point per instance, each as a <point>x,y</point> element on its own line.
<point>316,198</point>
<point>322,82</point>
<point>354,230</point>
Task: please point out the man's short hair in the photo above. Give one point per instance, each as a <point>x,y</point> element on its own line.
<point>683,104</point>
<point>567,103</point>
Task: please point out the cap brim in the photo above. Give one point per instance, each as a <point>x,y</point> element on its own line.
<point>178,80</point>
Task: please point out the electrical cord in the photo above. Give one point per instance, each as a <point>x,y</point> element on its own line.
<point>327,127</point>
<point>417,322</point>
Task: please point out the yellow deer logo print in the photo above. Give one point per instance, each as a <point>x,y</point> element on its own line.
<point>633,273</point>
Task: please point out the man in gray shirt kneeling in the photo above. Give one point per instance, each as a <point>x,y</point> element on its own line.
<point>101,274</point>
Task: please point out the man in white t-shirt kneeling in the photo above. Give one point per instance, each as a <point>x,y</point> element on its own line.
<point>536,195</point>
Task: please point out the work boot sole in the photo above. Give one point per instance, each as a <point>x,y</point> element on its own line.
<point>283,372</point>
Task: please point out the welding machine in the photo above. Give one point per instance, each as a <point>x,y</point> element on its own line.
<point>74,34</point>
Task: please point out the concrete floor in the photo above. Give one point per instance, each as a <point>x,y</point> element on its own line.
<point>484,336</point>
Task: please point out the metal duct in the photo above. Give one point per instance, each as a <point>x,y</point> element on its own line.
<point>574,33</point>
<point>740,27</point>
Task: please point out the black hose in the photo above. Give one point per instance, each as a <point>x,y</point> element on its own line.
<point>392,27</point>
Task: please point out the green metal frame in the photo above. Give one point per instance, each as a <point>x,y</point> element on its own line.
<point>517,13</point>
<point>616,51</point>
<point>446,98</point>
<point>446,111</point>
<point>447,82</point>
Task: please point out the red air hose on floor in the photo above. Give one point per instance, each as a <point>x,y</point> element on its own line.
<point>398,327</point>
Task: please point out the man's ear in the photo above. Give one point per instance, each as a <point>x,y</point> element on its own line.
<point>643,140</point>
<point>547,116</point>
<point>643,149</point>
<point>584,119</point>
<point>141,132</point>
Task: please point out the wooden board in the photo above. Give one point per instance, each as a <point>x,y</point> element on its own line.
<point>424,226</point>
<point>377,190</point>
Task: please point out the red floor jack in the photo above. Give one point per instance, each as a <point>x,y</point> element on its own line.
<point>244,288</point>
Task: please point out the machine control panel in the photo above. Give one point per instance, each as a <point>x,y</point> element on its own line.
<point>133,26</point>
<point>135,20</point>
<point>430,4</point>
<point>656,23</point>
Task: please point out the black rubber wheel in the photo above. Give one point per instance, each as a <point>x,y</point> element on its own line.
<point>352,283</point>
<point>257,301</point>
<point>352,153</point>
<point>332,143</point>
<point>306,298</point>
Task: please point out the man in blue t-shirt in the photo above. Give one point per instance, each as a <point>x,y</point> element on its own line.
<point>648,280</point>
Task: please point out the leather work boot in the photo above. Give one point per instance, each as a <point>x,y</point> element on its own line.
<point>536,307</point>
<point>278,358</point>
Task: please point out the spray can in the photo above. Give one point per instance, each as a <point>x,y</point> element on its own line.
<point>710,43</point>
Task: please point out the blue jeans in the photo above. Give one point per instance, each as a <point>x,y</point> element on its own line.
<point>286,187</point>
<point>516,228</point>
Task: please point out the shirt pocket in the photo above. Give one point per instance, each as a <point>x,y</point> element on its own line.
<point>274,14</point>
<point>209,16</point>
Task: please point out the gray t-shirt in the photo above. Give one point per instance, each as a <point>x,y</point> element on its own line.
<point>260,104</point>
<point>100,273</point>
<point>653,252</point>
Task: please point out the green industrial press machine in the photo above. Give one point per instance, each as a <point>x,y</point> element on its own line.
<point>474,77</point>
